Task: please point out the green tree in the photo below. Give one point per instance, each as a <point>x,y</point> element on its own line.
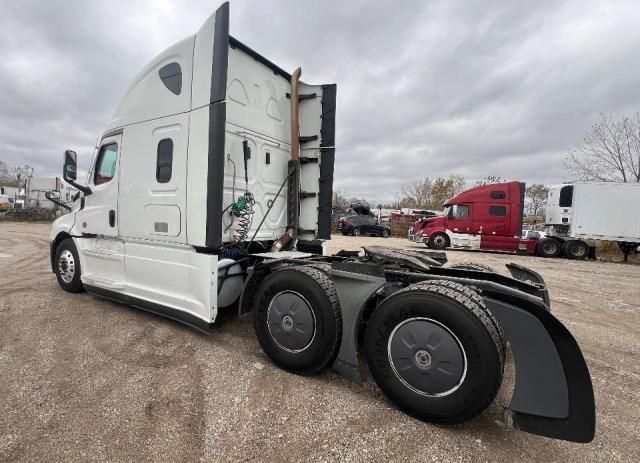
<point>443,189</point>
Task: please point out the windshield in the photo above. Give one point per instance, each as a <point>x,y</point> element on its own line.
<point>446,210</point>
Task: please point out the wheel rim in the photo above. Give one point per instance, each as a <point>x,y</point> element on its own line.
<point>66,266</point>
<point>356,232</point>
<point>439,241</point>
<point>549,248</point>
<point>385,233</point>
<point>291,322</point>
<point>427,357</point>
<point>579,250</point>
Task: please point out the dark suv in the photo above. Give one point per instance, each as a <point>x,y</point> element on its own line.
<point>361,224</point>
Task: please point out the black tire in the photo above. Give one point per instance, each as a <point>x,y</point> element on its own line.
<point>575,249</point>
<point>312,296</point>
<point>438,241</point>
<point>67,266</point>
<point>473,266</point>
<point>355,231</point>
<point>462,320</point>
<point>385,233</point>
<point>548,247</point>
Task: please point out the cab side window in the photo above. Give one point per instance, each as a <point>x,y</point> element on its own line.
<point>164,162</point>
<point>463,212</point>
<point>497,210</point>
<point>106,164</point>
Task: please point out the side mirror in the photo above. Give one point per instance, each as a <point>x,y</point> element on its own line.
<point>70,171</point>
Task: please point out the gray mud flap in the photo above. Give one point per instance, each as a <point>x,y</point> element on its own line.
<point>553,394</point>
<point>354,290</point>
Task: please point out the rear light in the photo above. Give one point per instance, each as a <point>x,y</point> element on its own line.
<point>346,222</point>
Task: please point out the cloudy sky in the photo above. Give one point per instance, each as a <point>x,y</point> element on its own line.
<point>425,88</point>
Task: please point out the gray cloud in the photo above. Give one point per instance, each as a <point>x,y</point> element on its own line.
<point>424,88</point>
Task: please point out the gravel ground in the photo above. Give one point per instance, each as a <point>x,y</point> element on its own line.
<point>83,379</point>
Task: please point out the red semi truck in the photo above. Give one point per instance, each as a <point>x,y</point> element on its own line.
<point>487,217</point>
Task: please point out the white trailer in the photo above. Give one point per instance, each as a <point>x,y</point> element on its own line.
<point>579,211</point>
<point>38,188</point>
<point>211,190</point>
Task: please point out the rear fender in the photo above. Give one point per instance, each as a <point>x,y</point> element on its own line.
<point>553,394</point>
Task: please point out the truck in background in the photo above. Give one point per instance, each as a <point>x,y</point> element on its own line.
<point>489,217</point>
<point>486,217</point>
<point>601,211</point>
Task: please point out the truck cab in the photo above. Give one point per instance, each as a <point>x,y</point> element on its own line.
<point>194,161</point>
<point>484,217</point>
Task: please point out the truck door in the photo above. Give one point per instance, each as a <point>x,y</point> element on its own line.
<point>100,213</point>
<point>497,220</point>
<point>460,219</point>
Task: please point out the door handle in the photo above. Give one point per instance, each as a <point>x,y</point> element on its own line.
<point>112,218</point>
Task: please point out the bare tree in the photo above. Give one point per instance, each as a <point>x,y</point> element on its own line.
<point>7,175</point>
<point>416,194</point>
<point>610,152</point>
<point>429,194</point>
<point>536,199</point>
<point>488,180</point>
<point>340,201</point>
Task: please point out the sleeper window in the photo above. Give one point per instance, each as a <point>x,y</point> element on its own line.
<point>497,210</point>
<point>497,195</point>
<point>165,160</point>
<point>106,164</point>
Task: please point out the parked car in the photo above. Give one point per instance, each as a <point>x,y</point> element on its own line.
<point>361,224</point>
<point>4,202</point>
<point>533,235</point>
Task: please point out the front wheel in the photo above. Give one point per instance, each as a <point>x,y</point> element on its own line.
<point>67,265</point>
<point>438,241</point>
<point>356,231</point>
<point>436,352</point>
<point>385,233</point>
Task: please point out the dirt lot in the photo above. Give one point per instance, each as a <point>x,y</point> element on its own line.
<point>85,379</point>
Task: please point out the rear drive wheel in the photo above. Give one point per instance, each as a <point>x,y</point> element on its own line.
<point>385,233</point>
<point>297,319</point>
<point>548,247</point>
<point>473,266</point>
<point>436,352</point>
<point>438,241</point>
<point>575,249</point>
<point>356,231</point>
<point>67,265</point>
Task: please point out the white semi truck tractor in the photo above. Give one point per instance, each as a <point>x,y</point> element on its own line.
<point>600,211</point>
<point>211,191</point>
